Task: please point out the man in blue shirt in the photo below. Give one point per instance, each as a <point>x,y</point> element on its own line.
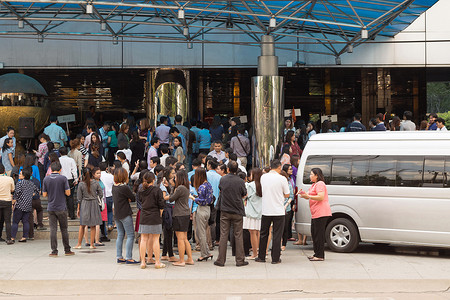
<point>56,133</point>
<point>204,139</point>
<point>214,179</point>
<point>104,136</point>
<point>380,125</point>
<point>195,130</point>
<point>174,132</point>
<point>162,131</point>
<point>433,125</point>
<point>9,134</point>
<point>356,125</point>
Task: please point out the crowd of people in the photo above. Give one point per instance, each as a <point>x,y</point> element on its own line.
<point>193,185</point>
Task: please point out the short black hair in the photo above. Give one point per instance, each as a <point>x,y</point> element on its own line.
<point>155,159</point>
<point>103,166</point>
<point>171,161</point>
<point>233,167</point>
<point>241,129</point>
<point>164,148</point>
<point>163,119</point>
<point>9,128</point>
<point>357,116</point>
<point>55,166</point>
<point>196,162</point>
<point>174,129</point>
<point>143,165</point>
<point>26,172</point>
<point>63,151</point>
<point>275,164</point>
<point>53,119</point>
<point>434,115</point>
<point>408,115</point>
<point>154,140</point>
<point>213,163</point>
<point>233,156</point>
<point>440,120</point>
<point>178,118</point>
<point>117,164</point>
<point>229,150</point>
<point>158,169</point>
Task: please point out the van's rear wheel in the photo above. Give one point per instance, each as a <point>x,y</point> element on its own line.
<point>342,235</point>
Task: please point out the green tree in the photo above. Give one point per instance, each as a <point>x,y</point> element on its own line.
<point>438,97</point>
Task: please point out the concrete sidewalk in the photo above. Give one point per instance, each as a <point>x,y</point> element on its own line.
<point>26,270</point>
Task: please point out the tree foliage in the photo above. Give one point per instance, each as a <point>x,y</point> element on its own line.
<point>438,97</point>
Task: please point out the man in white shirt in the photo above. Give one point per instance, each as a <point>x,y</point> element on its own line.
<point>90,130</point>
<point>217,153</point>
<point>165,154</point>
<point>162,131</point>
<point>407,124</point>
<point>127,151</point>
<point>440,122</point>
<point>70,171</point>
<point>274,189</point>
<point>108,181</point>
<point>233,157</point>
<point>154,161</point>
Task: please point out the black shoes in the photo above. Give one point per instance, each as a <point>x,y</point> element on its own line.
<point>245,263</point>
<point>218,264</point>
<point>9,242</point>
<point>276,262</point>
<point>260,260</point>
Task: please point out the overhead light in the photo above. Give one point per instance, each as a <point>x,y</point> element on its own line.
<point>102,25</point>
<point>189,45</point>
<point>350,48</point>
<point>181,14</point>
<point>273,22</point>
<point>20,24</point>
<point>229,23</point>
<point>186,31</point>
<point>89,8</point>
<point>364,34</point>
<point>338,60</point>
<point>115,40</point>
<point>40,38</point>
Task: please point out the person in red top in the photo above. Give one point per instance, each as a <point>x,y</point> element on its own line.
<point>320,212</point>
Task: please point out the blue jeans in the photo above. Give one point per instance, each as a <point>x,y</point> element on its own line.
<point>125,226</point>
<point>109,207</point>
<point>18,216</point>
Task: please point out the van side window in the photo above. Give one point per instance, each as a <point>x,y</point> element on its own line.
<point>317,161</point>
<point>433,173</point>
<point>409,171</point>
<point>340,172</point>
<point>382,171</point>
<point>360,170</point>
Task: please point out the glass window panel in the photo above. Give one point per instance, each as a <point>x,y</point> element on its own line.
<point>382,171</point>
<point>340,173</point>
<point>409,171</point>
<point>447,172</point>
<point>433,173</point>
<point>316,161</point>
<point>360,169</point>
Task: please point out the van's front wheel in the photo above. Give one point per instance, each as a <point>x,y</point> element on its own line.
<point>342,235</point>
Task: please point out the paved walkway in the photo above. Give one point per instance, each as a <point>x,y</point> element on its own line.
<point>26,269</point>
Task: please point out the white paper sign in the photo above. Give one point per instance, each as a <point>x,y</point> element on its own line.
<point>331,118</point>
<point>66,119</point>
<point>288,112</point>
<point>243,119</point>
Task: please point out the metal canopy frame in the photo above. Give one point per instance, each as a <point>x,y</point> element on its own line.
<point>337,25</point>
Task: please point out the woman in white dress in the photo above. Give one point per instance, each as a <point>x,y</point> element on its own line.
<point>253,209</point>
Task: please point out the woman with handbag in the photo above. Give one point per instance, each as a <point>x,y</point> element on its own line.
<point>88,194</point>
<point>204,199</point>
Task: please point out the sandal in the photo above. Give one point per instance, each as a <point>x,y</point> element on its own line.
<point>77,247</point>
<point>160,266</point>
<point>310,257</point>
<point>177,264</point>
<point>316,259</point>
<point>298,243</point>
<point>143,266</point>
<point>150,262</point>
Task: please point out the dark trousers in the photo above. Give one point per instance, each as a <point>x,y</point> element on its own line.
<point>109,207</point>
<point>40,215</point>
<point>69,200</point>
<point>247,242</point>
<point>206,151</point>
<point>287,232</point>
<point>318,236</point>
<point>278,228</point>
<point>111,155</point>
<point>18,216</point>
<point>54,217</point>
<point>42,172</point>
<point>167,242</point>
<point>5,217</point>
<point>226,220</point>
<point>217,225</point>
<point>213,226</point>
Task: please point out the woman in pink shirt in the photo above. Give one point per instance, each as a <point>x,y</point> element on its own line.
<point>320,211</point>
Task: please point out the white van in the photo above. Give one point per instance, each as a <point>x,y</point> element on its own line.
<point>383,187</point>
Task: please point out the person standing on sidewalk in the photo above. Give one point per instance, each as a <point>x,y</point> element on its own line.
<point>6,190</point>
<point>275,189</point>
<point>108,181</point>
<point>56,188</point>
<point>70,171</point>
<point>320,212</point>
<point>241,145</point>
<point>231,205</point>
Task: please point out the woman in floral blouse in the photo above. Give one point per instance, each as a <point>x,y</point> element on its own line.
<point>40,154</point>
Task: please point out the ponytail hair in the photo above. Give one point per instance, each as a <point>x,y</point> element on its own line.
<point>87,175</point>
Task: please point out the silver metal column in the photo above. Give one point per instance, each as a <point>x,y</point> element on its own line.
<point>267,105</point>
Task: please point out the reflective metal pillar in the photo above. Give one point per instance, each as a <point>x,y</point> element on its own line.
<point>267,105</point>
